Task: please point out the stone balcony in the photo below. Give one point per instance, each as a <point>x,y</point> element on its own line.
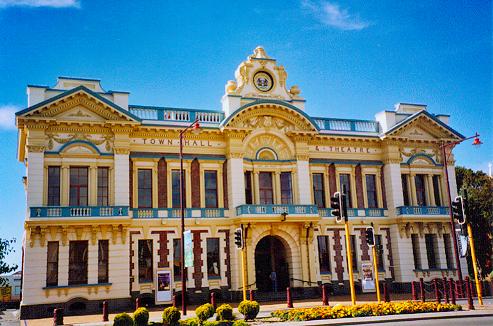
<point>422,210</point>
<point>176,213</point>
<point>78,211</point>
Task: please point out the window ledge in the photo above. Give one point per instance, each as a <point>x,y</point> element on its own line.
<point>435,270</point>
<point>325,273</point>
<point>75,286</point>
<point>214,277</point>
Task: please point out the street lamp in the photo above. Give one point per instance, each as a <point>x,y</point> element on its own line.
<point>195,129</point>
<point>443,146</point>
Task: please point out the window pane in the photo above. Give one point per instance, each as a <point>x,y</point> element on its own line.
<point>448,250</point>
<point>213,262</point>
<point>145,260</point>
<point>103,186</point>
<point>286,192</point>
<point>103,261</point>
<point>248,188</point>
<point>318,189</point>
<point>177,259</point>
<point>436,190</point>
<point>416,251</point>
<point>52,264</point>
<point>145,188</point>
<point>265,188</point>
<point>405,193</point>
<point>53,186</point>
<point>323,253</point>
<point>210,178</point>
<point>175,184</point>
<point>371,190</point>
<point>77,262</point>
<point>431,250</point>
<point>344,180</point>
<point>419,180</point>
<point>78,186</point>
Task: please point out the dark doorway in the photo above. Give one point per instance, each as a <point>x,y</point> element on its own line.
<point>270,256</point>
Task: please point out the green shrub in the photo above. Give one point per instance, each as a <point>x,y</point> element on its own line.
<point>224,312</point>
<point>204,312</point>
<point>217,323</point>
<point>249,309</point>
<point>190,322</point>
<point>240,323</point>
<point>171,316</point>
<point>123,319</point>
<point>141,317</point>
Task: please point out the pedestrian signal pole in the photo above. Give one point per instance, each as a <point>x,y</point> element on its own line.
<point>370,240</point>
<point>338,204</point>
<point>240,244</point>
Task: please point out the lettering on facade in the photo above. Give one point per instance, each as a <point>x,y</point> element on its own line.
<point>345,149</point>
<point>176,142</point>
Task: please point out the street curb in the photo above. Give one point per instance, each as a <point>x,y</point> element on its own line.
<point>401,318</point>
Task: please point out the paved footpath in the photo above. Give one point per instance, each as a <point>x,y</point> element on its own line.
<point>266,309</point>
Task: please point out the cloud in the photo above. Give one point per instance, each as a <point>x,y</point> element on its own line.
<point>332,15</point>
<point>40,3</point>
<point>7,116</point>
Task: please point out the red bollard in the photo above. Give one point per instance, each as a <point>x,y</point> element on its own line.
<point>445,292</point>
<point>470,304</point>
<point>437,292</point>
<point>174,300</point>
<point>213,299</point>
<point>137,303</point>
<point>458,289</point>
<point>451,288</point>
<point>289,299</point>
<point>57,316</point>
<point>472,286</point>
<point>105,310</point>
<point>252,295</point>
<point>386,294</point>
<point>422,290</point>
<point>413,290</point>
<point>325,295</point>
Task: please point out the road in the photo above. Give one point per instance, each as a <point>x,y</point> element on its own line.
<point>9,317</point>
<point>472,321</point>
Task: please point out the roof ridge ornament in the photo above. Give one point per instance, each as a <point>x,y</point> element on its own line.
<point>259,53</point>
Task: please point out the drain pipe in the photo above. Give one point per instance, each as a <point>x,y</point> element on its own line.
<point>308,227</point>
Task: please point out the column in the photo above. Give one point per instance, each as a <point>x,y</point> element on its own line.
<point>255,187</point>
<point>378,181</point>
<point>64,185</point>
<point>412,183</point>
<point>121,180</point>
<point>430,190</point>
<point>303,175</point>
<point>393,186</point>
<point>220,194</point>
<point>277,187</point>
<point>93,185</point>
<point>236,181</point>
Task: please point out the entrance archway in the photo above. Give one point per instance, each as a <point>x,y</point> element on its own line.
<point>270,256</point>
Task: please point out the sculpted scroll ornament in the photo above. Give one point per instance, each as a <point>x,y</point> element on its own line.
<point>108,139</point>
<point>267,122</point>
<point>268,141</point>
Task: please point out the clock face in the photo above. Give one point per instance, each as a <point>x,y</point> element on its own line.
<point>263,81</point>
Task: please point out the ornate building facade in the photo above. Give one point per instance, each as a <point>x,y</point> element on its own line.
<point>103,198</point>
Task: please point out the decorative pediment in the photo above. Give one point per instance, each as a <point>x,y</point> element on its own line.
<point>78,104</point>
<point>267,147</point>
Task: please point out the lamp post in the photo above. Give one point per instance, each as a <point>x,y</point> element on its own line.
<point>443,147</point>
<point>195,127</point>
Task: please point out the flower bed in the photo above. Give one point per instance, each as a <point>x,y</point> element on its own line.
<point>362,310</point>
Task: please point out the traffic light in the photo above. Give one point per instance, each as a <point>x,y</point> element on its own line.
<point>458,211</point>
<point>336,205</point>
<point>239,238</point>
<point>370,236</point>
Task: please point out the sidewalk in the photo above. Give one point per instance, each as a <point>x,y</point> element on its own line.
<point>267,308</point>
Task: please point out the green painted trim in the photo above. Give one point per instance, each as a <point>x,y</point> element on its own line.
<point>335,161</point>
<point>177,156</point>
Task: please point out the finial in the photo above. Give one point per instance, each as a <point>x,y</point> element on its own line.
<point>259,53</point>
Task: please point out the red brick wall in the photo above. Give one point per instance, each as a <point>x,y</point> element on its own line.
<point>197,258</point>
<point>332,179</point>
<point>227,257</point>
<point>384,195</point>
<point>163,251</point>
<point>389,251</point>
<point>365,249</point>
<point>195,175</point>
<point>162,192</point>
<point>225,184</point>
<point>132,256</point>
<point>359,186</point>
<point>338,253</point>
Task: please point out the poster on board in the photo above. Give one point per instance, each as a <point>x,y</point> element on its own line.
<point>187,236</point>
<point>163,285</point>
<point>367,280</point>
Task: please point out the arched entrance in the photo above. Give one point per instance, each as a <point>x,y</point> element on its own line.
<point>270,256</point>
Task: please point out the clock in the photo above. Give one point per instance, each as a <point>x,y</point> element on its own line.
<point>263,81</point>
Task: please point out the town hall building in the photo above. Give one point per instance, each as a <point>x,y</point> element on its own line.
<point>103,193</point>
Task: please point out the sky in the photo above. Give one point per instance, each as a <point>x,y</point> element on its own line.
<point>351,59</point>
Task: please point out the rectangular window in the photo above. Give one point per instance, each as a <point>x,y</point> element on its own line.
<point>103,261</point>
<point>371,191</point>
<point>265,188</point>
<point>286,188</point>
<point>144,190</point>
<point>436,190</point>
<point>52,264</point>
<point>77,270</point>
<point>177,259</point>
<point>431,250</point>
<point>175,188</point>
<point>210,180</point>
<point>416,251</point>
<point>248,188</point>
<point>145,260</point>
<point>345,182</point>
<point>53,186</point>
<point>103,186</point>
<point>318,189</point>
<point>405,192</point>
<point>78,186</point>
<point>419,180</point>
<point>354,251</point>
<point>213,262</point>
<point>379,249</point>
<point>323,254</point>
<point>448,250</point>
